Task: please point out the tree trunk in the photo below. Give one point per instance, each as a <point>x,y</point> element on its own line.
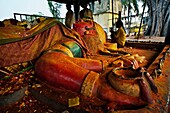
<point>159,14</point>
<point>166,19</point>
<point>142,18</point>
<point>129,8</point>
<point>167,38</point>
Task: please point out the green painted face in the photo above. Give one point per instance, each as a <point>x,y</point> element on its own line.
<point>74,48</point>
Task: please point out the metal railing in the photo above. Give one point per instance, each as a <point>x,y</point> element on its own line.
<point>29,17</point>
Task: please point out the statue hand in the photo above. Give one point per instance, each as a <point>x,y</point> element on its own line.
<point>117,100</point>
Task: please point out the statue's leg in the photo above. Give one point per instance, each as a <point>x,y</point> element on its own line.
<point>60,70</point>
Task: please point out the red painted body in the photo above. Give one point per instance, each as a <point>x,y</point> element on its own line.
<point>60,70</point>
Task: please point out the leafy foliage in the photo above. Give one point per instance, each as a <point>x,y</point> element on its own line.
<point>131,4</point>
<point>54,8</point>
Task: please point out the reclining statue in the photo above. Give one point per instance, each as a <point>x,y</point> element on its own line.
<point>61,59</point>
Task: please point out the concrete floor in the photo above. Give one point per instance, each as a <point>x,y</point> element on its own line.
<point>147,39</point>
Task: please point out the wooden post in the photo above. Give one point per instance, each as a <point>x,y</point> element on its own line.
<point>112,16</point>
<point>129,17</point>
<point>119,16</point>
<point>76,9</point>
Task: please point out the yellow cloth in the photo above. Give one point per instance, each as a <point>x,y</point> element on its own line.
<point>120,36</point>
<point>31,43</point>
<point>101,33</point>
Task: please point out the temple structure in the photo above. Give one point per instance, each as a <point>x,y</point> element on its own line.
<point>103,11</point>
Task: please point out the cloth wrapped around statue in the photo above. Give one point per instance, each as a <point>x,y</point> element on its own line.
<point>60,55</point>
